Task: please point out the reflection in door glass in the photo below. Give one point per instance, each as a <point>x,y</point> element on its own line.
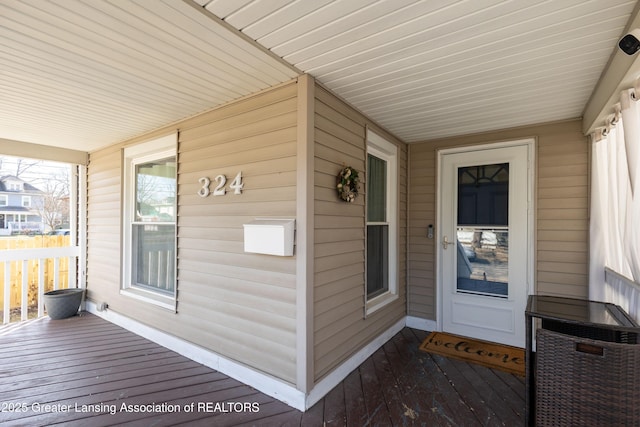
<point>483,260</point>
<point>483,229</point>
<point>483,195</point>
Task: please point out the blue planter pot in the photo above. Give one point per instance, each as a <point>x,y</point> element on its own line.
<point>63,303</point>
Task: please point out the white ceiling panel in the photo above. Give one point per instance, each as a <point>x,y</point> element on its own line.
<point>253,11</point>
<point>87,73</point>
<point>364,22</point>
<point>428,69</point>
<point>224,7</point>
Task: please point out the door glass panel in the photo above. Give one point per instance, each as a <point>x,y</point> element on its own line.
<point>482,230</point>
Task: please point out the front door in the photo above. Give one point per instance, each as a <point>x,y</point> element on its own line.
<point>485,248</point>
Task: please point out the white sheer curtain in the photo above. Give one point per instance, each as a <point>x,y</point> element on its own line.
<point>631,119</point>
<point>615,198</point>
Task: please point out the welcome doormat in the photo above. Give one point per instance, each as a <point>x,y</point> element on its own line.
<point>489,354</point>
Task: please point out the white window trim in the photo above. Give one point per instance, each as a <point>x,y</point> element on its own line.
<point>4,200</point>
<point>26,199</point>
<point>383,149</point>
<point>158,148</point>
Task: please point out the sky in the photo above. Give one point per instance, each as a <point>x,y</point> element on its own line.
<point>35,175</point>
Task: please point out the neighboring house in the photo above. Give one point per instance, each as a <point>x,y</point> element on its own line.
<point>18,206</point>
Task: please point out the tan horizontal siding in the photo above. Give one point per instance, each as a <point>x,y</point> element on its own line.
<point>242,341</point>
<point>240,305</point>
<point>104,198</point>
<point>340,328</point>
<point>561,210</point>
<point>343,342</point>
<point>238,294</point>
<point>422,212</point>
<point>562,214</point>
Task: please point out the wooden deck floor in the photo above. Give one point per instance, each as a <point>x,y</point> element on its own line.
<point>80,371</point>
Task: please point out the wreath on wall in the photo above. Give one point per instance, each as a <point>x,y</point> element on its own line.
<point>348,184</point>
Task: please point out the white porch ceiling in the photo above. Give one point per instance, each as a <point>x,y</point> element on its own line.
<point>87,73</point>
<point>83,74</point>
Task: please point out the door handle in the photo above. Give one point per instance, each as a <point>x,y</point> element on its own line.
<point>445,242</point>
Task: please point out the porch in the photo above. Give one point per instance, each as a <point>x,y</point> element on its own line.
<point>285,96</point>
<point>80,371</point>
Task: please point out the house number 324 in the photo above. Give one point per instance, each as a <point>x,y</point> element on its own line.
<point>220,189</point>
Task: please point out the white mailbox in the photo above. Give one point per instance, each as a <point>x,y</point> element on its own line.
<point>269,236</point>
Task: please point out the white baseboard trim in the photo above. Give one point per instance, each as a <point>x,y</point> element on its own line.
<point>341,372</point>
<point>422,324</point>
<point>267,384</point>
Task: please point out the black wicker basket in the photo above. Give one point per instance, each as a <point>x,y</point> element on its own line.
<point>586,382</point>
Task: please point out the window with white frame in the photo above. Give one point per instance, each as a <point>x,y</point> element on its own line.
<point>382,222</point>
<point>4,200</point>
<point>149,221</point>
<point>26,201</point>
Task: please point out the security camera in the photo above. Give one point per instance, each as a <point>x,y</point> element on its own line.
<point>630,43</point>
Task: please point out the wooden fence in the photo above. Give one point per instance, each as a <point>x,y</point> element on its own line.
<point>31,266</point>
